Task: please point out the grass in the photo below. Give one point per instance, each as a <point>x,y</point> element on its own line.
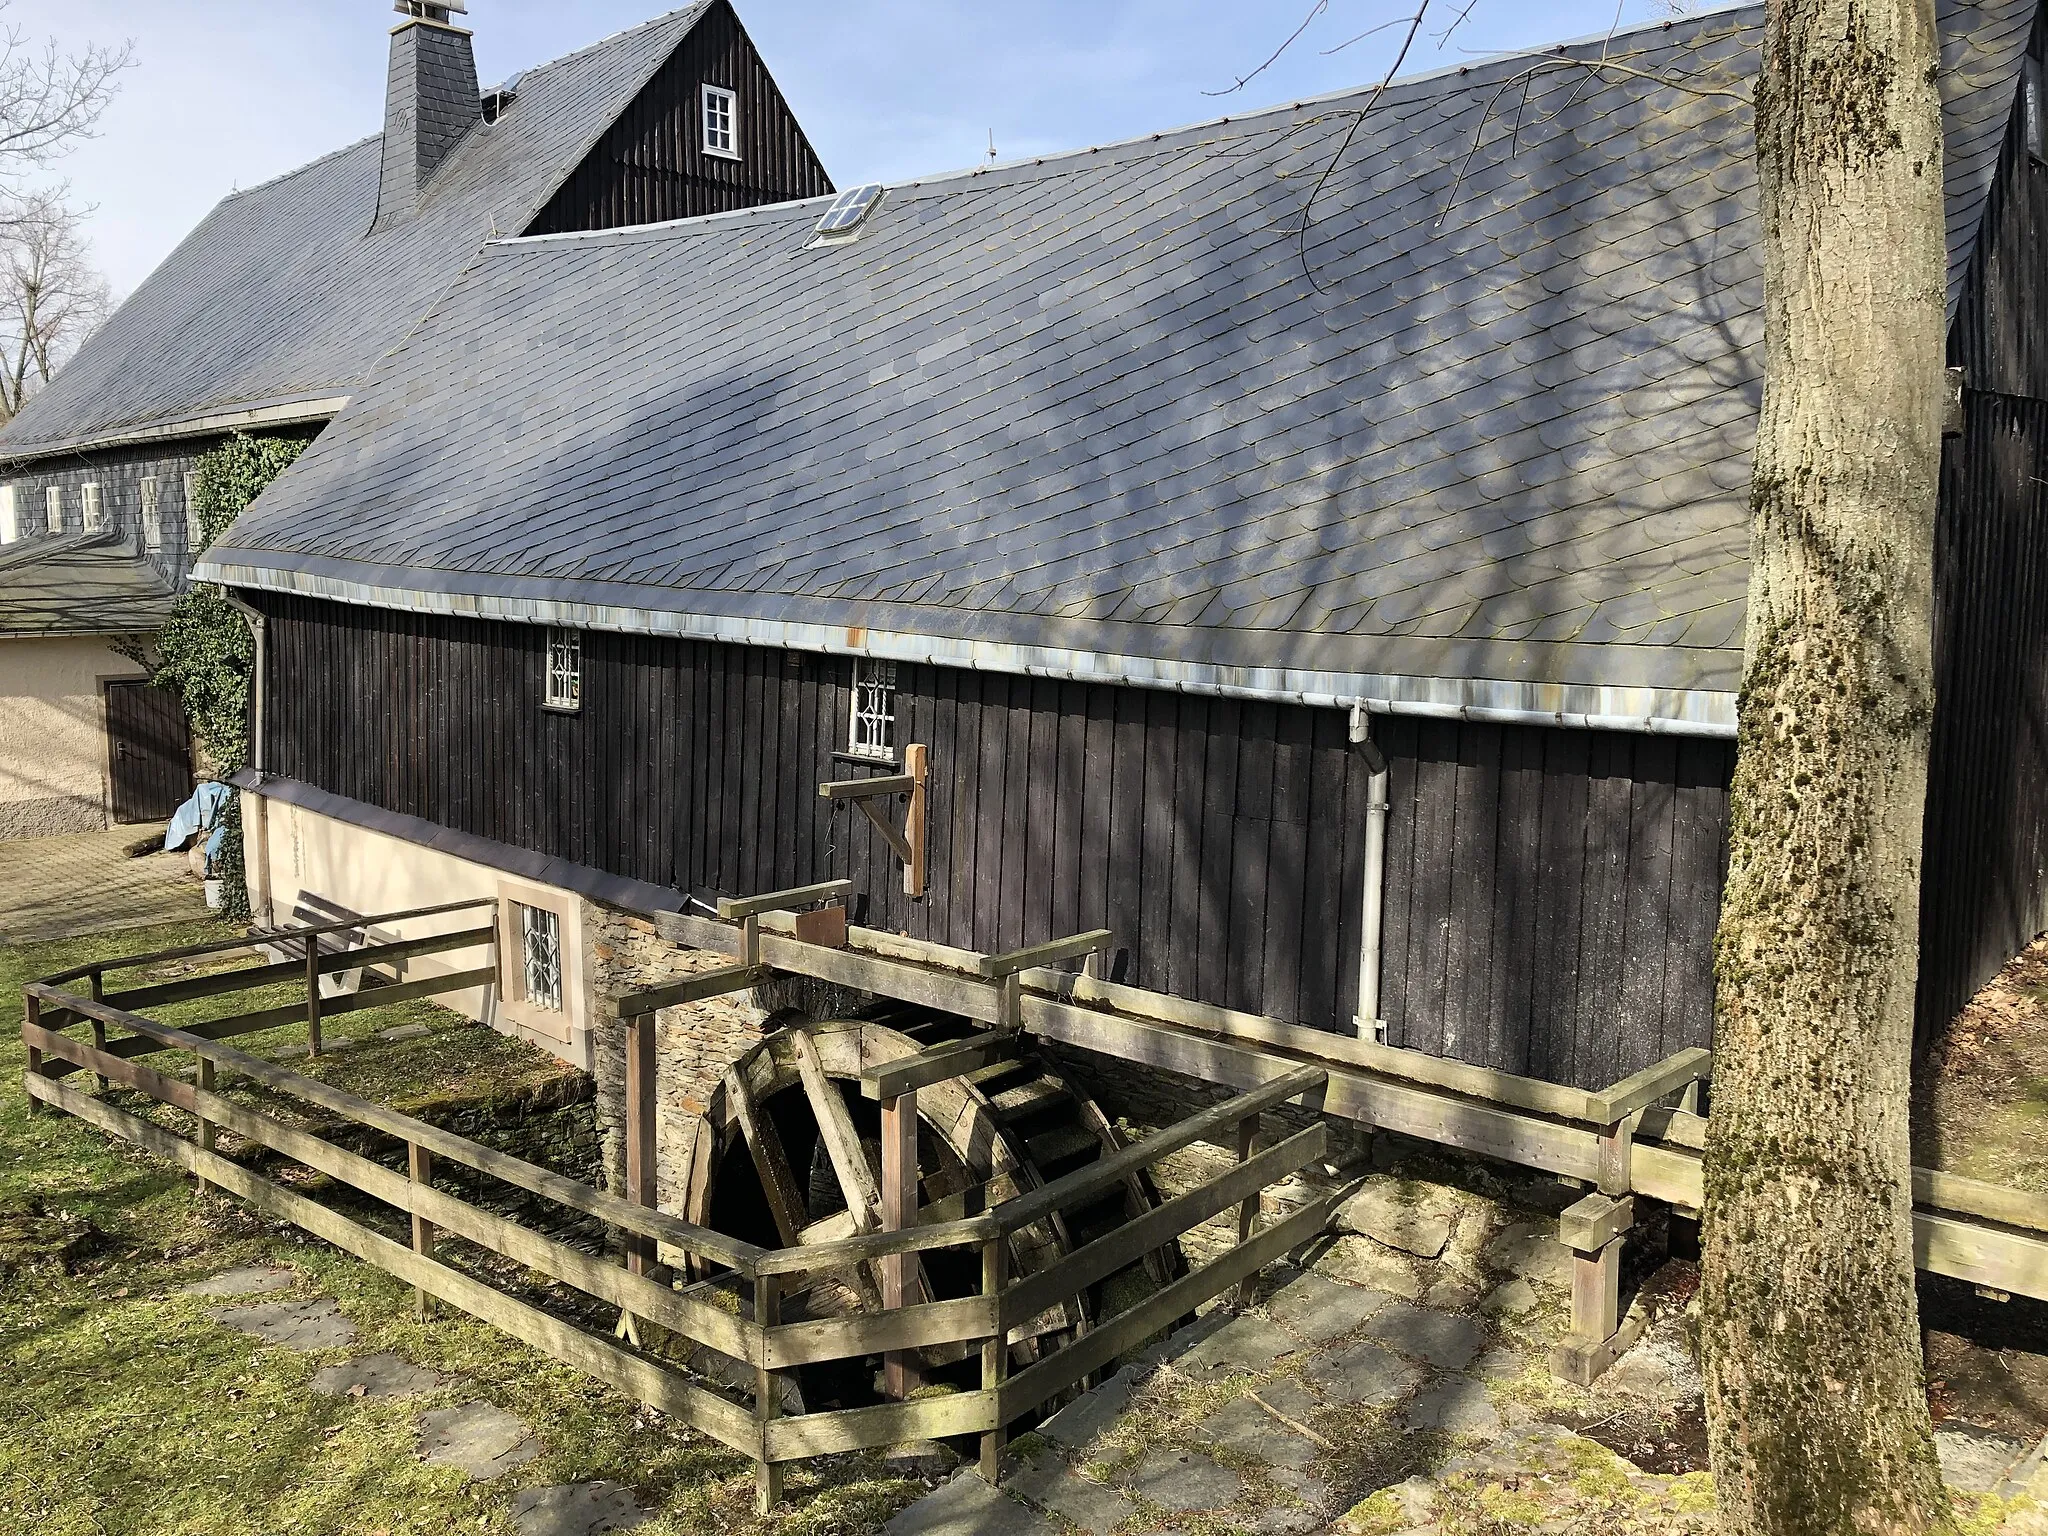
<point>130,1410</point>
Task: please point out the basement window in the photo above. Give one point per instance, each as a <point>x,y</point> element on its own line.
<point>721,122</point>
<point>53,507</point>
<point>540,950</point>
<point>2036,112</point>
<point>565,670</point>
<point>873,730</point>
<point>152,515</point>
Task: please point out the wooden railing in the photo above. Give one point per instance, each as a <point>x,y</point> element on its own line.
<point>755,1335</point>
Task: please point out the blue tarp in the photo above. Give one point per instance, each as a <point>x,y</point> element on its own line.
<point>203,813</point>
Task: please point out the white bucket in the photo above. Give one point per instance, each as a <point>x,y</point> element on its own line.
<point>213,895</point>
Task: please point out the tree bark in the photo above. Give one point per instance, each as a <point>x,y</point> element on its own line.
<point>1815,1382</point>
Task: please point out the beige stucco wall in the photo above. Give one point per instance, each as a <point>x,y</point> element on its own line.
<point>53,734</point>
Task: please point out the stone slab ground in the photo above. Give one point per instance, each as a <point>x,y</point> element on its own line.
<point>61,887</point>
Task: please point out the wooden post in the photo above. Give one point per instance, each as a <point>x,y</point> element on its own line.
<point>420,1164</point>
<point>34,1015</point>
<point>206,1137</point>
<point>312,995</point>
<point>1596,1230</point>
<point>750,939</point>
<point>900,1377</point>
<point>995,1354</point>
<point>640,1120</point>
<point>767,1395</point>
<point>1248,1213</point>
<point>916,764</point>
<point>1617,1156</point>
<point>99,1028</point>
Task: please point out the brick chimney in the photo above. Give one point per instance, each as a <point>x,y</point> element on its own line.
<point>431,102</point>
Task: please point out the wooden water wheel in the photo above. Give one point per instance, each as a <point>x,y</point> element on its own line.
<point>794,1158</point>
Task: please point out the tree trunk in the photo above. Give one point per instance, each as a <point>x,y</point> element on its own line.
<point>1815,1382</point>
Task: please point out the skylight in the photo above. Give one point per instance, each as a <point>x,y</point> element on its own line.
<point>850,209</point>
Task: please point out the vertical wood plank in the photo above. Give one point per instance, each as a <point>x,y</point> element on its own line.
<point>1125,851</point>
<point>1219,806</point>
<point>1151,940</point>
<point>1429,919</point>
<point>1469,955</point>
<point>1184,949</point>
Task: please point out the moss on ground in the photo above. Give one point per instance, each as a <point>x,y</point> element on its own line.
<point>130,1410</point>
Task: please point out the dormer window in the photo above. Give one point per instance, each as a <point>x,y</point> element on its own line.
<point>721,122</point>
<point>565,670</point>
<point>872,733</point>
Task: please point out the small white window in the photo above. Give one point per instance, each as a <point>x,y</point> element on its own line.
<point>721,122</point>
<point>152,515</point>
<point>194,535</point>
<point>565,669</point>
<point>10,515</point>
<point>540,947</point>
<point>95,517</point>
<point>873,732</point>
<point>53,507</point>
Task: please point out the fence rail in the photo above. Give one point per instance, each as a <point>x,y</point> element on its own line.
<point>755,1336</point>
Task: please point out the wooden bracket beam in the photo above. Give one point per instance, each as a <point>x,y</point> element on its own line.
<point>908,842</point>
<point>907,1074</point>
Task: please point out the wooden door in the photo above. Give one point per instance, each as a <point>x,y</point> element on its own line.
<point>150,751</point>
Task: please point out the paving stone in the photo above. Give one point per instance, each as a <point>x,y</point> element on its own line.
<point>1090,1414</point>
<point>1183,1481</point>
<point>1319,1309</point>
<point>1500,1365</point>
<point>1401,1214</point>
<point>385,1375</point>
<point>1241,1425</point>
<point>315,1324</point>
<point>967,1506</point>
<point>576,1509</point>
<point>1366,1373</point>
<point>1438,1337</point>
<point>1534,1253</point>
<point>404,1032</point>
<point>481,1439</point>
<point>1459,1405</point>
<point>1246,1345</point>
<point>1361,1261</point>
<point>1515,1299</point>
<point>1657,1373</point>
<point>1286,1522</point>
<point>1451,1294</point>
<point>1302,1485</point>
<point>249,1280</point>
<point>1083,1503</point>
<point>1975,1460</point>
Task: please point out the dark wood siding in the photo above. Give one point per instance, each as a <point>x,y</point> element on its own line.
<point>650,166</point>
<point>1550,894</point>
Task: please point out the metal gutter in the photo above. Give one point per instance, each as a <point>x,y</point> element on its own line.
<point>1491,701</point>
<point>290,414</point>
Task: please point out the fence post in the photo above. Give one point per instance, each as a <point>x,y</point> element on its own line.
<point>312,995</point>
<point>995,1356</point>
<point>1247,1213</point>
<point>767,1393</point>
<point>33,1014</point>
<point>99,1028</point>
<point>419,1164</point>
<point>900,1377</point>
<point>206,1137</point>
<point>640,1121</point>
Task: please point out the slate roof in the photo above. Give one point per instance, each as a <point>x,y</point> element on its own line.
<point>283,296</point>
<point>1086,414</point>
<point>86,584</point>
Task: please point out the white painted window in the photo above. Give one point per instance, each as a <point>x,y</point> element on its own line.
<point>565,669</point>
<point>540,947</point>
<point>10,514</point>
<point>95,512</point>
<point>721,122</point>
<point>873,729</point>
<point>195,537</point>
<point>53,507</point>
<point>152,515</point>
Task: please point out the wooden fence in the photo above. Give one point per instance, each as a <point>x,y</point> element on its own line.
<point>756,1335</point>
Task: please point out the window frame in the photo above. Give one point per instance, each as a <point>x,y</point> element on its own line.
<point>194,535</point>
<point>531,922</point>
<point>152,513</point>
<point>53,507</point>
<point>92,507</point>
<point>10,513</point>
<point>728,101</point>
<point>562,671</point>
<point>871,702</point>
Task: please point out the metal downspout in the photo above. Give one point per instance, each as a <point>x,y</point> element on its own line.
<point>260,895</point>
<point>1370,1025</point>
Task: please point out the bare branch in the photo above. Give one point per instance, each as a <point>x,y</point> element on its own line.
<point>49,100</point>
<point>1294,37</point>
<point>52,297</point>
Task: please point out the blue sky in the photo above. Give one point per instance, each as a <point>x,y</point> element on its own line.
<point>227,93</point>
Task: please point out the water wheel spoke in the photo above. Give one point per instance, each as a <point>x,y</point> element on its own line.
<point>840,1136</point>
<point>771,1162</point>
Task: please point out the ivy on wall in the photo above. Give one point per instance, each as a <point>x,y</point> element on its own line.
<point>205,654</point>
